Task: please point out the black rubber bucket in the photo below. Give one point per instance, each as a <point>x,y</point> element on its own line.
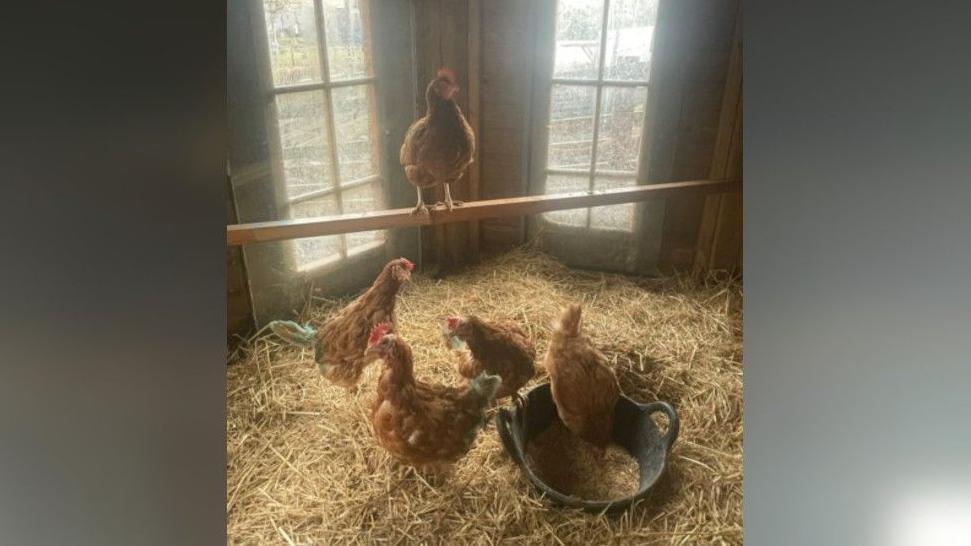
<point>634,430</point>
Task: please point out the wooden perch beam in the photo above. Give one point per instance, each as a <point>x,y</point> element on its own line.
<point>260,232</point>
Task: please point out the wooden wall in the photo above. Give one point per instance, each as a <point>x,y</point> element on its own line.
<point>506,88</point>
<point>440,35</point>
<point>719,245</point>
<point>708,44</point>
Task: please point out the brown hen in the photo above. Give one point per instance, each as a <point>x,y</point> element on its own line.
<point>439,146</point>
<point>423,424</point>
<point>584,386</point>
<point>497,348</point>
<point>340,344</point>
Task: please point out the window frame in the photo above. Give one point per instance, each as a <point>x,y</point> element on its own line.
<point>326,85</point>
<point>543,100</point>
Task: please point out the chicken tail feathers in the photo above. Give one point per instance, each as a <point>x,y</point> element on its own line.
<point>486,385</point>
<point>293,333</point>
<point>570,320</point>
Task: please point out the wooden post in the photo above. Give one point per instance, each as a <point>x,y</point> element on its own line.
<point>475,71</point>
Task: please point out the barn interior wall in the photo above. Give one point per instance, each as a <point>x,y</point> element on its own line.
<point>502,50</point>
<point>506,49</point>
<point>709,33</point>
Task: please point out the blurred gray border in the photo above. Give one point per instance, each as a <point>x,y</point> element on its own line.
<point>857,258</point>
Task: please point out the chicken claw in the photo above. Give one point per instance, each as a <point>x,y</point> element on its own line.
<point>420,208</point>
<point>449,204</point>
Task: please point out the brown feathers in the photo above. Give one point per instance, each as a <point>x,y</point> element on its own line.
<point>584,386</point>
<point>422,423</point>
<point>497,348</point>
<point>439,146</point>
<point>340,349</point>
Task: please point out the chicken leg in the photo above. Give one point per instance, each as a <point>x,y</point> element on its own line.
<point>420,208</point>
<point>449,203</point>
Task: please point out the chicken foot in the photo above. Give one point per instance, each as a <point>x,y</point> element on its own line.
<point>434,474</point>
<point>449,203</point>
<point>420,208</point>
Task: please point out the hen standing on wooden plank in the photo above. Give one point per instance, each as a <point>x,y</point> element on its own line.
<point>497,348</point>
<point>420,423</point>
<point>438,147</point>
<point>340,345</point>
<point>584,386</point>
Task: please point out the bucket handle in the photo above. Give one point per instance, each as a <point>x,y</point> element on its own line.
<point>503,426</point>
<point>673,423</point>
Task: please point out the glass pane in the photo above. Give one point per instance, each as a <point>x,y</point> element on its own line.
<point>578,27</point>
<point>316,250</point>
<point>630,33</point>
<point>352,114</point>
<point>303,139</point>
<point>304,146</point>
<point>621,124</point>
<point>291,31</point>
<point>571,127</point>
<point>565,183</point>
<point>364,198</point>
<point>613,216</point>
<point>347,39</point>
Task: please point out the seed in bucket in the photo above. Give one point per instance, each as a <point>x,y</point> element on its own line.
<point>569,465</point>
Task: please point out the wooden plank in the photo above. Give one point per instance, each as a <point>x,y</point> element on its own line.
<point>505,76</point>
<point>258,232</point>
<point>239,308</point>
<point>715,227</point>
<point>473,115</point>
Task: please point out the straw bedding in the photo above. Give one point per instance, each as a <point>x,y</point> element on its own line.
<point>302,467</point>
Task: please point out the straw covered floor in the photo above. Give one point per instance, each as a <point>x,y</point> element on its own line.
<point>302,467</point>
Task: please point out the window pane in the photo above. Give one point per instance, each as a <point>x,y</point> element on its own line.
<point>578,27</point>
<point>571,127</point>
<point>303,139</point>
<point>621,124</point>
<point>364,198</point>
<point>630,32</point>
<point>613,216</point>
<point>347,39</point>
<point>561,183</point>
<point>313,250</point>
<point>291,31</point>
<point>352,114</point>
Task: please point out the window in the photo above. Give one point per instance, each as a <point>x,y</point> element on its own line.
<point>598,98</point>
<point>325,122</point>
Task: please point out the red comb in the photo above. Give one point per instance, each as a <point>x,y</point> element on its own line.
<point>446,73</point>
<point>378,332</point>
<point>453,322</point>
<point>407,264</point>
